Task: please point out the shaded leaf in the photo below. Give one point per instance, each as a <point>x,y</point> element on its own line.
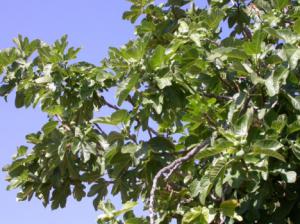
<point>228,207</point>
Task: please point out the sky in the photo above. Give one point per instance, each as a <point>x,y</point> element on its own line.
<point>94,25</point>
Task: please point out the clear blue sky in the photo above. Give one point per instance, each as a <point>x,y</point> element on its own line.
<point>93,25</point>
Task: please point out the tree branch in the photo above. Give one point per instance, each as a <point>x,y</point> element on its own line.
<point>168,170</point>
<point>62,123</point>
<point>218,97</point>
<point>100,129</point>
<point>233,3</point>
<point>152,131</point>
<point>109,104</point>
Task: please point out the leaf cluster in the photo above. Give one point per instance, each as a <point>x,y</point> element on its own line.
<point>184,79</point>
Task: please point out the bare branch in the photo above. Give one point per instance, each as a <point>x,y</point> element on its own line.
<point>168,170</point>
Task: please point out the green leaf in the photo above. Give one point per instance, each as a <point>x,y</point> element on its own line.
<point>215,17</point>
<point>19,100</point>
<point>242,125</point>
<point>255,45</point>
<point>54,110</point>
<point>145,26</point>
<point>267,144</point>
<point>275,80</point>
<point>116,118</point>
<point>195,188</point>
<point>236,105</point>
<point>164,82</point>
<point>22,150</point>
<point>78,192</point>
<point>284,34</point>
<point>228,207</point>
<point>135,221</point>
<point>214,172</point>
<point>293,127</point>
<point>161,144</point>
<point>136,10</point>
<point>107,206</point>
<point>128,206</point>
<point>296,148</point>
<point>227,52</point>
<point>99,189</point>
<point>178,2</point>
<point>33,138</point>
<point>44,79</point>
<point>114,137</point>
<point>295,101</point>
<point>126,86</point>
<point>291,54</point>
<point>174,46</point>
<point>221,146</point>
<point>49,127</point>
<point>109,210</point>
<point>291,176</point>
<point>281,4</point>
<point>134,50</point>
<point>130,148</point>
<point>196,215</point>
<point>280,123</point>
<point>158,58</point>
<point>5,90</point>
<point>297,26</point>
<point>119,116</point>
<point>269,148</point>
<point>132,15</point>
<point>183,27</point>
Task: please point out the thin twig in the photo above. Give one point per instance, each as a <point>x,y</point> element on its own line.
<point>218,97</point>
<point>132,138</point>
<point>109,104</point>
<point>224,81</point>
<point>62,123</point>
<point>169,169</point>
<point>247,101</point>
<point>152,131</point>
<point>149,129</point>
<point>233,3</point>
<point>181,152</point>
<point>247,33</point>
<point>210,121</point>
<point>149,133</point>
<point>58,118</point>
<point>100,129</point>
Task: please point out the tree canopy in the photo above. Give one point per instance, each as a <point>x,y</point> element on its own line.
<point>206,116</point>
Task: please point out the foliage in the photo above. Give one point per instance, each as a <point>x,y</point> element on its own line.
<point>184,79</point>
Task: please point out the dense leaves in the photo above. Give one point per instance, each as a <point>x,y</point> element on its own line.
<point>228,72</point>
